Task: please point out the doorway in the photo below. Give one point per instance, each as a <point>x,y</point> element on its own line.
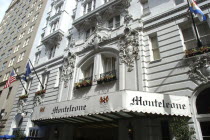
<point>105,131</point>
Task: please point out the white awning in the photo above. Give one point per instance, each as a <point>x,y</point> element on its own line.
<point>113,105</point>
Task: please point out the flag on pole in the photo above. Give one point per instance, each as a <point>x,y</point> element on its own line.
<point>28,72</point>
<point>197,11</point>
<point>11,79</point>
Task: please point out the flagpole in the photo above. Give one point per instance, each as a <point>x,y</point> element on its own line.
<point>20,80</point>
<point>199,43</point>
<point>36,74</point>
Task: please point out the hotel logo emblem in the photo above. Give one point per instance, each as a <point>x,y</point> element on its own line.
<point>104,99</point>
<point>42,109</point>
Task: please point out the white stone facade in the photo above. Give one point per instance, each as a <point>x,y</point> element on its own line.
<point>110,46</point>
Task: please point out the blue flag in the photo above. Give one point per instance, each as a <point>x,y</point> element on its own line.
<point>28,72</point>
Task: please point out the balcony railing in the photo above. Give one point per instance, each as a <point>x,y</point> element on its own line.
<point>107,77</point>
<point>86,82</point>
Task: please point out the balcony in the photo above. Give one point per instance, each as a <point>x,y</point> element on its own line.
<point>55,16</point>
<point>94,14</point>
<point>53,38</point>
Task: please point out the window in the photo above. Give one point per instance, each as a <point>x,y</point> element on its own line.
<point>2,111</point>
<point>45,77</point>
<point>9,92</point>
<point>6,76</point>
<point>110,23</point>
<point>37,56</point>
<point>39,7</point>
<point>22,35</point>
<point>89,32</point>
<point>30,13</point>
<point>3,65</point>
<point>145,5</point>
<point>25,43</point>
<point>11,62</point>
<point>114,22</point>
<point>105,1</point>
<point>33,132</point>
<point>154,47</point>
<point>52,52</point>
<point>109,64</point>
<point>58,77</point>
<point>20,58</point>
<point>17,69</point>
<point>16,48</point>
<point>117,21</point>
<point>88,71</point>
<point>58,8</point>
<point>89,6</point>
<point>26,24</point>
<point>35,17</point>
<point>33,4</point>
<point>190,37</point>
<point>31,29</point>
<point>9,52</point>
<point>54,26</point>
<point>178,1</point>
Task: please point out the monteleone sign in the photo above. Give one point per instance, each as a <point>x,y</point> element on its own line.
<point>120,101</point>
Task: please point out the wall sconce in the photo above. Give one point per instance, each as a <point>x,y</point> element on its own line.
<point>56,132</point>
<point>130,131</point>
<point>23,114</point>
<point>3,114</point>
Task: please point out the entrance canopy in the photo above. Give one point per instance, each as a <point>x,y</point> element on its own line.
<point>116,104</point>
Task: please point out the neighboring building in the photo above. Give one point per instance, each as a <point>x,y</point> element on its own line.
<point>119,71</point>
<point>17,32</point>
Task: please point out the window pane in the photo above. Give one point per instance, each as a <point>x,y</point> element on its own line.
<point>110,23</point>
<point>188,34</point>
<point>117,21</point>
<point>203,29</point>
<point>156,54</point>
<point>205,128</point>
<point>178,1</point>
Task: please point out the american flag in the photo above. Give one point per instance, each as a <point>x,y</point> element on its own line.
<point>11,79</point>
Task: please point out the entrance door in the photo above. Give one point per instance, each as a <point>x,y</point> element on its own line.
<point>96,132</point>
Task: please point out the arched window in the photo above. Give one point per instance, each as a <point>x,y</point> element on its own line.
<point>203,103</point>
<point>203,111</point>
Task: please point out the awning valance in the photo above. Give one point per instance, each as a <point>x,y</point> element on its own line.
<point>118,102</point>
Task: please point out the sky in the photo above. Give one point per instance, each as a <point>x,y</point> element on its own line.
<point>4,4</point>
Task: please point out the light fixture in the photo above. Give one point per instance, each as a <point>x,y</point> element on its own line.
<point>130,131</point>
<point>25,113</point>
<point>3,114</point>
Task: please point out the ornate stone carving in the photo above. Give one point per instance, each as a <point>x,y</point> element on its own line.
<point>68,68</point>
<point>129,48</point>
<point>101,35</point>
<point>127,17</point>
<point>20,105</point>
<point>38,100</point>
<point>126,3</point>
<point>200,69</point>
